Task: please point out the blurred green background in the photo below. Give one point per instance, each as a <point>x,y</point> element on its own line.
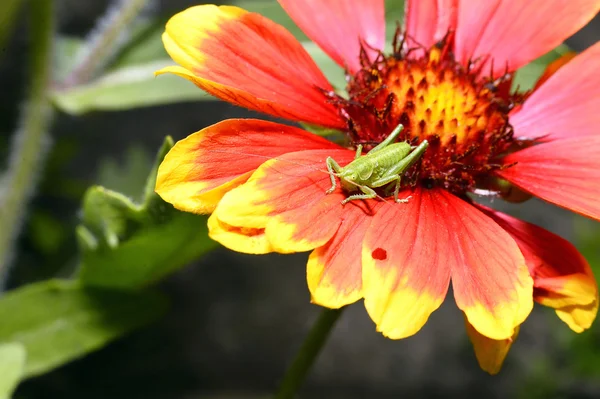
<point>225,325</point>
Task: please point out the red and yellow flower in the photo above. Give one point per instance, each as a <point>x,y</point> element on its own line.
<point>447,80</point>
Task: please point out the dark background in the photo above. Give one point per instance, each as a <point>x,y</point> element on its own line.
<point>237,320</point>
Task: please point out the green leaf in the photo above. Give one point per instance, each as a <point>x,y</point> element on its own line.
<point>128,245</point>
<point>12,366</point>
<point>66,49</point>
<point>332,71</point>
<point>58,321</point>
<point>527,76</point>
<point>128,178</point>
<point>272,10</point>
<point>145,45</point>
<point>126,88</point>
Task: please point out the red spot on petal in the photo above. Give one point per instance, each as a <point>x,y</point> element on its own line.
<point>379,254</point>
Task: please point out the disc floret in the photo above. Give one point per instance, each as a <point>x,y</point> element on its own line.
<point>462,115</point>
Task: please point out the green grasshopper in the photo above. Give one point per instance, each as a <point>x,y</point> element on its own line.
<point>384,164</point>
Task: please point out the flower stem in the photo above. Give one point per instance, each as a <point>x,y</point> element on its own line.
<point>29,143</point>
<point>306,356</point>
<point>104,41</point>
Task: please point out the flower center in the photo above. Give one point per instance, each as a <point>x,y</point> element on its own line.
<point>463,115</point>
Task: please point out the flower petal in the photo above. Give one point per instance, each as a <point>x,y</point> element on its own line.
<point>286,197</point>
<point>491,281</point>
<point>566,105</point>
<point>406,266</point>
<point>334,271</point>
<point>513,33</point>
<point>428,21</point>
<point>201,168</point>
<point>490,353</point>
<point>338,27</point>
<point>246,240</point>
<point>248,60</point>
<point>563,172</point>
<point>562,277</point>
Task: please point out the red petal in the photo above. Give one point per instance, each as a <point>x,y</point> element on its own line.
<point>490,353</point>
<point>338,27</point>
<point>567,104</point>
<point>248,60</point>
<point>564,172</point>
<point>287,198</point>
<point>513,33</point>
<point>562,277</point>
<point>200,169</point>
<point>334,271</point>
<point>428,21</point>
<point>491,281</point>
<point>406,267</point>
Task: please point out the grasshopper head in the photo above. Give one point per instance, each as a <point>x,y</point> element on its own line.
<point>350,180</point>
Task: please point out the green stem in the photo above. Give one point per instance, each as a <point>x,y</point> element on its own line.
<point>306,356</point>
<point>8,16</point>
<point>104,41</point>
<point>29,142</point>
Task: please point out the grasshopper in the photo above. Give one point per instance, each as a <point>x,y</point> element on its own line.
<point>384,164</point>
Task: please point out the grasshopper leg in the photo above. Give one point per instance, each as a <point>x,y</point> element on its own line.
<point>358,151</point>
<point>389,139</point>
<point>389,179</point>
<point>333,168</point>
<point>369,193</point>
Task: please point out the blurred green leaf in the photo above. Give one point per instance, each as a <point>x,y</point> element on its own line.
<point>66,49</point>
<point>126,88</point>
<point>12,366</point>
<point>527,76</point>
<point>394,16</point>
<point>320,130</point>
<point>47,232</point>
<point>128,178</point>
<point>127,245</point>
<point>58,320</point>
<point>272,10</point>
<point>332,71</point>
<point>145,45</point>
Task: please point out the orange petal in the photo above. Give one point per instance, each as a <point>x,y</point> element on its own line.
<point>248,60</point>
<point>200,169</point>
<point>354,21</point>
<point>286,197</point>
<point>510,34</point>
<point>562,277</point>
<point>490,353</point>
<point>334,271</point>
<point>490,278</point>
<point>406,265</point>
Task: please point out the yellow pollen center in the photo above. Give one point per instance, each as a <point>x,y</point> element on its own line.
<point>463,115</point>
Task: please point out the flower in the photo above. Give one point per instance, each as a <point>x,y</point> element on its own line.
<point>447,80</point>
